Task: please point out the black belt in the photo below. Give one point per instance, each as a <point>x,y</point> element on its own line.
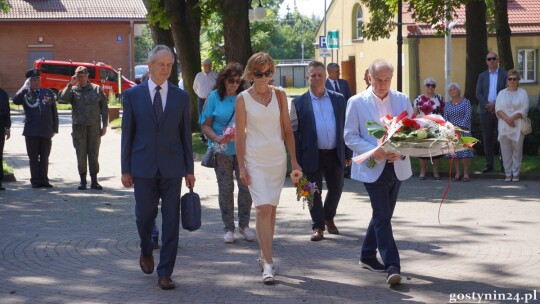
<point>326,151</point>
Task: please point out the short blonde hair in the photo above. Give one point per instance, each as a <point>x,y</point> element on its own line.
<point>256,62</point>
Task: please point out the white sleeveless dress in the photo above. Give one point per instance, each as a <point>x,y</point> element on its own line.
<point>266,160</point>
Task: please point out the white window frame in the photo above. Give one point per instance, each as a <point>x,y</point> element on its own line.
<point>359,22</point>
<point>524,56</point>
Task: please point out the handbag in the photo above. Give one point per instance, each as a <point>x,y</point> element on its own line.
<point>190,209</point>
<point>526,127</point>
<point>278,95</point>
<point>209,158</point>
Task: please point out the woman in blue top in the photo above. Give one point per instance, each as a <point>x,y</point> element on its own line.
<point>216,115</point>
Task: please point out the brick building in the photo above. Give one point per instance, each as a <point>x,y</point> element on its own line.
<point>78,30</point>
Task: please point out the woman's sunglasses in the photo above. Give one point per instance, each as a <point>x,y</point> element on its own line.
<point>429,85</point>
<point>234,81</point>
<point>267,73</point>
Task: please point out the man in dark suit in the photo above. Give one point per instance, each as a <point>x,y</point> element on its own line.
<point>317,119</point>
<point>490,83</point>
<point>334,83</point>
<point>5,133</point>
<point>156,153</point>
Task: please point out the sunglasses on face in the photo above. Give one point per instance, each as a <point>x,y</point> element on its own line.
<point>429,85</point>
<point>513,79</point>
<point>491,58</point>
<point>267,73</point>
<point>234,81</point>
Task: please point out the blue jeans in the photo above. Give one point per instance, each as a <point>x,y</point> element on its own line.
<point>383,194</point>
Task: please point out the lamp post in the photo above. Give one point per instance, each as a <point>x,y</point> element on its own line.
<point>258,13</point>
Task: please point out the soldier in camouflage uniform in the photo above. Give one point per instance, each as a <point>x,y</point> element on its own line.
<point>40,124</point>
<point>90,115</point>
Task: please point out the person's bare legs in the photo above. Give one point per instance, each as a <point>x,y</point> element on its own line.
<point>457,168</point>
<point>423,165</point>
<point>435,167</point>
<point>466,166</point>
<point>265,222</point>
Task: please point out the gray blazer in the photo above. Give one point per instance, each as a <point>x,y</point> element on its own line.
<point>482,88</point>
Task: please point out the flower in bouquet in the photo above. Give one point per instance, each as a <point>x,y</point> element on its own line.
<point>228,136</point>
<point>425,136</point>
<point>305,190</point>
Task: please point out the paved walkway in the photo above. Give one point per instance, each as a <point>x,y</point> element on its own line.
<point>62,245</point>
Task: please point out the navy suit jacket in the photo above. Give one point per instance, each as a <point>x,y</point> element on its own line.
<point>482,88</point>
<point>149,145</point>
<point>305,135</point>
<point>343,87</point>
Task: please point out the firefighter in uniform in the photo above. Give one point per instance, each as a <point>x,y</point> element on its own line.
<point>89,121</point>
<point>40,125</point>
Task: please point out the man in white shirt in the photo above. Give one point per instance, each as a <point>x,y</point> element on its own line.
<point>204,84</point>
<point>383,180</point>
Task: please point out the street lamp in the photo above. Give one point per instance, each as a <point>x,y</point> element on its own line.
<point>258,13</point>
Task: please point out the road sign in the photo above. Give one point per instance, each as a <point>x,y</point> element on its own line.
<point>322,42</point>
<point>325,52</point>
<point>332,39</point>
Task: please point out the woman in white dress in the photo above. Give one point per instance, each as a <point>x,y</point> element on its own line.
<point>511,106</point>
<point>260,149</point>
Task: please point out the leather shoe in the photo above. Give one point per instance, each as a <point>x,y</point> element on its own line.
<point>166,283</point>
<point>487,169</point>
<point>96,186</point>
<point>317,235</point>
<point>147,264</point>
<point>331,227</point>
<point>46,185</point>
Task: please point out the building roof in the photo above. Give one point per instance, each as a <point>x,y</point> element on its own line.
<point>79,10</point>
<point>523,18</point>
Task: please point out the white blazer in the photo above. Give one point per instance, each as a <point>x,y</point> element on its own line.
<point>360,109</point>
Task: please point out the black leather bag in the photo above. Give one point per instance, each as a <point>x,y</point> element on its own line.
<point>190,210</point>
<point>209,159</point>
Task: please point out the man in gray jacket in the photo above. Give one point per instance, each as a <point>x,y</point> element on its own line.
<point>90,115</point>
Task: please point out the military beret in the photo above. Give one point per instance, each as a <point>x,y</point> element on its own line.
<point>81,70</point>
<point>32,73</point>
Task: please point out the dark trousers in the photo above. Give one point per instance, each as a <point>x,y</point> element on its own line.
<point>38,150</point>
<point>383,194</point>
<point>489,125</point>
<point>331,169</point>
<point>2,141</point>
<point>148,191</point>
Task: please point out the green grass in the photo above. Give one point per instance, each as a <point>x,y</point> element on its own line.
<point>7,169</point>
<point>198,146</point>
<point>293,92</point>
<point>63,106</point>
<point>116,123</point>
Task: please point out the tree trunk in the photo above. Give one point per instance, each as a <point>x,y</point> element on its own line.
<point>236,32</point>
<point>503,35</point>
<point>164,36</point>
<point>476,41</point>
<point>186,28</point>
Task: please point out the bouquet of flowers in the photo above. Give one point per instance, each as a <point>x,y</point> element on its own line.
<point>425,136</point>
<point>305,190</point>
<point>228,136</point>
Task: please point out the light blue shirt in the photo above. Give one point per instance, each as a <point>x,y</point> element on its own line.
<point>220,112</point>
<point>493,76</point>
<point>325,120</point>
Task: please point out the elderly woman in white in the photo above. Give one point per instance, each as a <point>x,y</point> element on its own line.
<point>511,106</point>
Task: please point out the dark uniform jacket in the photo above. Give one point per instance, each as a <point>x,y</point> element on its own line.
<point>89,104</point>
<point>41,115</point>
<point>5,118</point>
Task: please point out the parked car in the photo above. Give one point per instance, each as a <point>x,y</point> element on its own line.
<point>139,72</point>
<point>56,74</point>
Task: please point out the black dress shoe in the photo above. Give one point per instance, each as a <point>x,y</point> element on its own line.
<point>166,283</point>
<point>96,186</point>
<point>147,264</point>
<point>46,185</point>
<point>36,185</point>
<point>487,169</point>
<point>82,187</point>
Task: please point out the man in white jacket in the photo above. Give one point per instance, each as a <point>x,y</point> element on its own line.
<point>382,181</point>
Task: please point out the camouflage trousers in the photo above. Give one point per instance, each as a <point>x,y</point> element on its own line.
<point>86,140</point>
<point>225,166</point>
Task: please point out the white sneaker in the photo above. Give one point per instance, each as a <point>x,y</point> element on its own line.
<point>248,234</point>
<point>228,237</point>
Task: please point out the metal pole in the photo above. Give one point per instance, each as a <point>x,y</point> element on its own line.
<point>447,53</point>
<point>302,41</point>
<point>399,49</point>
<point>325,29</point>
